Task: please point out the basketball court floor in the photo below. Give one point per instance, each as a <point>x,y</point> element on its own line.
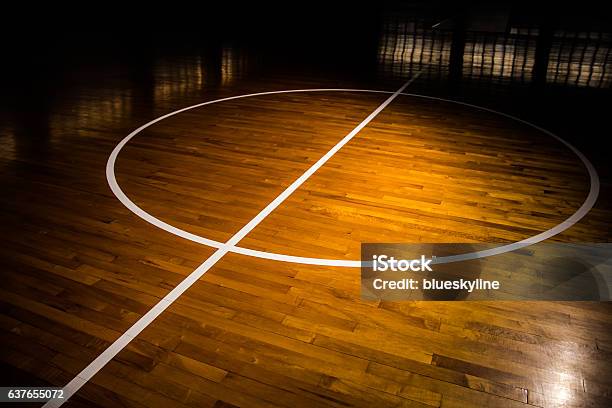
<point>185,230</point>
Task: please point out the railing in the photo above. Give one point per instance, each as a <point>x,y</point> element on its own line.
<point>572,58</point>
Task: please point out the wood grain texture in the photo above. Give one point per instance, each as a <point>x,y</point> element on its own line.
<point>79,268</point>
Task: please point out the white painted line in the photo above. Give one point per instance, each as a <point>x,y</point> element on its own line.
<point>439,23</point>
<point>584,209</point>
<point>107,355</point>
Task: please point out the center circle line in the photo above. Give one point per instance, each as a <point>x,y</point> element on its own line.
<point>582,211</point>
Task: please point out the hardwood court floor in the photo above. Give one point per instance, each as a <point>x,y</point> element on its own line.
<point>79,268</point>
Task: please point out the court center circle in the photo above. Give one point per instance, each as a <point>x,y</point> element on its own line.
<point>583,210</point>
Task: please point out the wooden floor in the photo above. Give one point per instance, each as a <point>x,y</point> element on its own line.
<point>79,269</point>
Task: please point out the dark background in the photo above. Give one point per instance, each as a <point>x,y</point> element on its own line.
<point>48,49</point>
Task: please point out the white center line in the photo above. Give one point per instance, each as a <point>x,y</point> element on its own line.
<point>107,355</point>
